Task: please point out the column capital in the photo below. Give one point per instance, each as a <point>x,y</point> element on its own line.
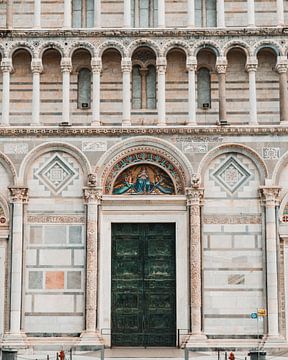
<point>36,66</point>
<point>126,64</point>
<point>92,194</point>
<point>270,195</point>
<point>282,64</point>
<point>194,196</point>
<point>221,65</point>
<point>6,65</point>
<point>18,194</point>
<point>66,64</point>
<point>161,64</point>
<point>251,63</point>
<point>191,63</point>
<point>96,64</point>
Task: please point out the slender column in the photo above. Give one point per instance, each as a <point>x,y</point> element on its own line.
<point>96,65</point>
<point>251,13</point>
<point>6,67</point>
<point>161,65</point>
<point>67,14</point>
<point>37,14</point>
<point>194,197</point>
<point>9,14</point>
<point>191,67</point>
<point>270,195</point>
<point>127,14</point>
<point>221,70</point>
<point>220,13</point>
<point>280,13</point>
<point>92,197</point>
<point>126,66</point>
<point>281,68</point>
<point>143,73</point>
<point>161,13</point>
<point>97,13</point>
<point>251,68</point>
<point>36,67</point>
<point>191,13</point>
<point>66,68</point>
<point>18,197</point>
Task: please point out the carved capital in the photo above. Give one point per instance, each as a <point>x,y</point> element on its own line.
<point>270,195</point>
<point>161,64</point>
<point>96,65</point>
<point>191,63</point>
<point>126,65</point>
<point>281,67</point>
<point>6,65</point>
<point>251,67</point>
<point>36,66</point>
<point>194,196</point>
<point>221,65</point>
<point>18,194</point>
<point>92,194</point>
<point>66,65</point>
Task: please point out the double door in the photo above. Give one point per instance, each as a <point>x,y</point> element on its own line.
<point>143,284</point>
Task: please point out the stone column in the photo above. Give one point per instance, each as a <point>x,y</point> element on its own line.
<point>36,68</point>
<point>6,67</point>
<point>97,13</point>
<point>66,67</point>
<point>280,13</point>
<point>251,68</point>
<point>220,14</point>
<point>127,14</point>
<point>9,14</point>
<point>161,65</point>
<point>92,198</point>
<point>194,198</point>
<point>191,68</point>
<point>191,13</point>
<point>37,14</point>
<point>221,66</point>
<point>96,65</point>
<point>161,13</point>
<point>126,66</point>
<point>18,197</point>
<point>67,14</point>
<point>281,68</point>
<point>270,200</point>
<point>251,13</point>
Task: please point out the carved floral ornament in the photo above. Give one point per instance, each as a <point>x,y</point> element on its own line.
<point>144,171</point>
<point>3,219</point>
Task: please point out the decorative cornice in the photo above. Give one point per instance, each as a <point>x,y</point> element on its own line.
<point>54,131</point>
<point>72,33</point>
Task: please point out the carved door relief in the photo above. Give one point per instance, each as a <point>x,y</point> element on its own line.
<point>143,284</point>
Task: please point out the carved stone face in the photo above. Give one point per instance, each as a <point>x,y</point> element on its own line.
<point>92,179</point>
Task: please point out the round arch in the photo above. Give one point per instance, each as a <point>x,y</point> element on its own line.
<point>272,45</point>
<point>82,46</point>
<point>9,166</point>
<point>22,46</point>
<point>4,211</point>
<point>175,160</point>
<point>177,45</point>
<point>237,148</point>
<point>282,162</point>
<point>233,45</point>
<point>54,146</point>
<point>143,43</point>
<point>115,45</point>
<point>210,45</point>
<point>51,46</point>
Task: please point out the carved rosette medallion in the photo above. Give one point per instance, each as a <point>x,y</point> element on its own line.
<point>19,194</point>
<point>144,155</point>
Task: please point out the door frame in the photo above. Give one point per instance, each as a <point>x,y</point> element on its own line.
<point>143,209</point>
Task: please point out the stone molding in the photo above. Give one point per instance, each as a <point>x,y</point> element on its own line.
<point>56,219</point>
<point>50,131</point>
<point>18,194</point>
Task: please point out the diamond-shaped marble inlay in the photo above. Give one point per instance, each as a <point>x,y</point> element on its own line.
<point>232,174</point>
<point>56,174</point>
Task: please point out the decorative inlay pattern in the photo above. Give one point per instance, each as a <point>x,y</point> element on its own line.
<point>271,153</point>
<point>231,174</point>
<point>56,219</point>
<point>232,219</point>
<point>56,174</point>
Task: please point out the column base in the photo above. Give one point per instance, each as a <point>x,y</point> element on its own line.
<point>14,341</point>
<point>200,339</point>
<point>284,122</point>
<point>91,338</point>
<point>95,123</point>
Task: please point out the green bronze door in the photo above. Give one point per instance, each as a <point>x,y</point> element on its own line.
<point>143,284</point>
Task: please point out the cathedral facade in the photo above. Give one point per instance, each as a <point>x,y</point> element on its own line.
<point>143,173</point>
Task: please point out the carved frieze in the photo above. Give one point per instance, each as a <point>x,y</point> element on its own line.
<point>56,219</point>
<point>232,219</point>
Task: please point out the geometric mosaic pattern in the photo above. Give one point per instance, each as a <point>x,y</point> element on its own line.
<point>56,174</point>
<point>231,174</point>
